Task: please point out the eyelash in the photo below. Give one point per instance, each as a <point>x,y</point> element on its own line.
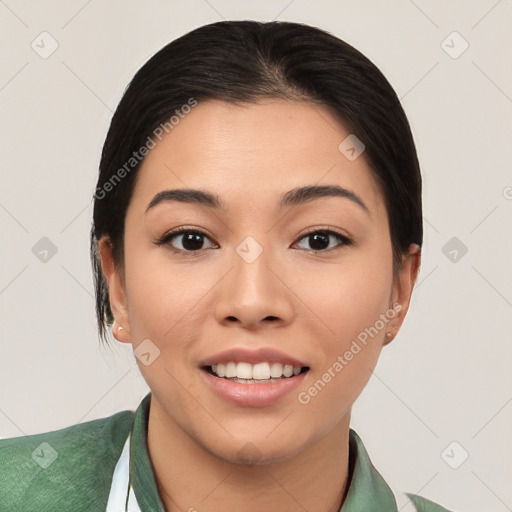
<point>166,239</point>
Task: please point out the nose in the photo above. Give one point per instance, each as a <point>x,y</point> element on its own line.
<point>253,294</point>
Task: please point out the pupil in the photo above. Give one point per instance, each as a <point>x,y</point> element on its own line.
<point>318,242</point>
<point>192,241</point>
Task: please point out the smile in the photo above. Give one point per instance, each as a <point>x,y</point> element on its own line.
<point>260,373</point>
<point>253,392</point>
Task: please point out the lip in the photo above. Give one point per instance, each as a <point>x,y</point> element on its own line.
<point>254,356</point>
<point>252,395</point>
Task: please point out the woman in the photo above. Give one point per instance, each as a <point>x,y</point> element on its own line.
<point>256,238</point>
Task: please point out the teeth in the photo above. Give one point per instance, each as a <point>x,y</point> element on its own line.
<point>243,370</point>
<point>276,370</point>
<point>260,371</point>
<point>231,370</point>
<point>221,370</point>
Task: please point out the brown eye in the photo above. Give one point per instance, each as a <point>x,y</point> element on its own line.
<point>324,240</point>
<point>191,241</point>
<point>185,240</point>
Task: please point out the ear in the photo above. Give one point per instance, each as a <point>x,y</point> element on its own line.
<point>116,291</point>
<point>402,289</point>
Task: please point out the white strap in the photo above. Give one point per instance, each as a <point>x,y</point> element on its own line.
<point>120,488</point>
<point>403,502</point>
<point>133,505</point>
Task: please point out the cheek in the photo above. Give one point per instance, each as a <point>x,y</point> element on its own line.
<point>351,300</point>
<point>165,306</point>
<point>164,299</point>
<point>347,296</point>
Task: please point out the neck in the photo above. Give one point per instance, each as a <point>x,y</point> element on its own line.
<point>189,478</point>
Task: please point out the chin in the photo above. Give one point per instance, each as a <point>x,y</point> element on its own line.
<point>258,451</point>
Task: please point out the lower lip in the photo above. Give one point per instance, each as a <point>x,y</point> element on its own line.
<point>253,395</point>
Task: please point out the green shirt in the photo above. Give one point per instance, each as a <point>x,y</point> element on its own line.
<point>72,469</point>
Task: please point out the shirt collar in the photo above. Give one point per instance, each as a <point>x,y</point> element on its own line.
<point>368,492</point>
<point>141,472</point>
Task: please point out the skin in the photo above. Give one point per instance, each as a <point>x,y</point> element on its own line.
<point>195,307</point>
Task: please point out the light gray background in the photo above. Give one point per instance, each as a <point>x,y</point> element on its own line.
<point>447,377</point>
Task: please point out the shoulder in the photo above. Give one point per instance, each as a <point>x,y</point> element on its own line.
<point>71,466</point>
<point>424,505</point>
<point>369,488</point>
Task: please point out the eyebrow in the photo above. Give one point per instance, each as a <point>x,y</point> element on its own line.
<point>294,197</point>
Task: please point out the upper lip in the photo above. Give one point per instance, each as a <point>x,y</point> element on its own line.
<point>254,356</point>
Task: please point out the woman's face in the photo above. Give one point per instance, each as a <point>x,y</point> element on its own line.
<point>249,288</point>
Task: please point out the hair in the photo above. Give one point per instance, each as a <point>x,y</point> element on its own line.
<point>243,62</point>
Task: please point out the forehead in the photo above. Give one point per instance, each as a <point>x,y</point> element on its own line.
<point>254,152</point>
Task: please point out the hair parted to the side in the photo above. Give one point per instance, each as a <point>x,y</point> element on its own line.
<point>244,61</point>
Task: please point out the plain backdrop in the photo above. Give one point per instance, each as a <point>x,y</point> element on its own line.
<point>442,391</point>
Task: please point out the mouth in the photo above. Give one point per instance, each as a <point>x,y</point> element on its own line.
<point>253,377</point>
<point>253,380</point>
<point>260,373</point>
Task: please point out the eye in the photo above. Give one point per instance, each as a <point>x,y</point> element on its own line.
<point>189,240</point>
<point>320,240</point>
<point>185,240</point>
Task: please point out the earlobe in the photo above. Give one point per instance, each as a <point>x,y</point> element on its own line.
<point>120,333</point>
<point>116,291</point>
<point>402,290</point>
